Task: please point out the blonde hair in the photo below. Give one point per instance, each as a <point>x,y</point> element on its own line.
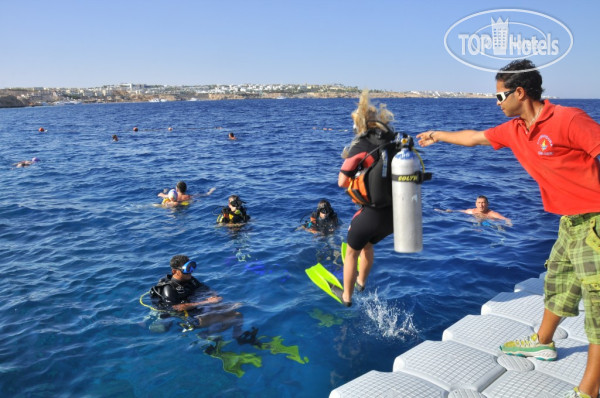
<point>367,117</point>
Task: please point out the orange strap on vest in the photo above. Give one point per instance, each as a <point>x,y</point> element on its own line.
<point>358,190</point>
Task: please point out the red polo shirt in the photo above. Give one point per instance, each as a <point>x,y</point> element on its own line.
<point>559,152</point>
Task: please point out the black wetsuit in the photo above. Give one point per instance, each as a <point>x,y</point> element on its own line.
<point>369,224</point>
<point>171,291</point>
<point>323,225</point>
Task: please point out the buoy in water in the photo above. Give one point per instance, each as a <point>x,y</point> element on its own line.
<point>41,130</point>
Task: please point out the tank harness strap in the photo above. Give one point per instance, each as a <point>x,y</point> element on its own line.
<point>358,190</point>
<point>418,177</point>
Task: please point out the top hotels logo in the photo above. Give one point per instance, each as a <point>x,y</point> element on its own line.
<point>489,40</point>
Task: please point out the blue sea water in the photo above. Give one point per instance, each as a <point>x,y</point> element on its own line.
<point>81,240</point>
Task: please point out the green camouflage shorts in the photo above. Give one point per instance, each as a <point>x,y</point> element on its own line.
<point>574,271</point>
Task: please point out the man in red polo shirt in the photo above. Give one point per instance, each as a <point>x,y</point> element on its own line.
<point>559,147</point>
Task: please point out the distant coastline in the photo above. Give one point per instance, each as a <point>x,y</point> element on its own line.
<point>44,96</point>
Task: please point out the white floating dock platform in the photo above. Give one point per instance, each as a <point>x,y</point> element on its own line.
<point>468,363</point>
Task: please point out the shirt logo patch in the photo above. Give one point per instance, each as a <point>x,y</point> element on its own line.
<point>544,144</point>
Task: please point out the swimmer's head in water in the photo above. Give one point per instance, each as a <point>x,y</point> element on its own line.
<point>325,207</point>
<point>183,263</point>
<point>34,160</point>
<point>235,201</point>
<point>173,195</point>
<point>182,186</point>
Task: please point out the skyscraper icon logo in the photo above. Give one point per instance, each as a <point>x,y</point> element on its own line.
<point>499,36</point>
<point>488,40</point>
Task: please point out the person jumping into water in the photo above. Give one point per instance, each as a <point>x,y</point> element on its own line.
<point>370,224</point>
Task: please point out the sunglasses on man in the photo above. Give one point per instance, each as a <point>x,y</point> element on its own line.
<point>502,96</point>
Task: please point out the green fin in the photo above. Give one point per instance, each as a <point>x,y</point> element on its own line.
<point>291,351</point>
<point>325,280</point>
<point>232,362</point>
<point>325,319</point>
<point>343,250</point>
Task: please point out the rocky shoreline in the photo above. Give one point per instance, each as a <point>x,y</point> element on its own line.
<point>11,98</point>
<point>10,101</point>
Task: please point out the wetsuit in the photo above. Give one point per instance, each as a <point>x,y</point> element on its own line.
<point>171,291</point>
<point>369,224</point>
<point>233,217</point>
<point>323,225</point>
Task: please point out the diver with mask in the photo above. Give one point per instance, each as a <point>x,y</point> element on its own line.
<point>234,213</point>
<point>180,291</point>
<point>324,220</point>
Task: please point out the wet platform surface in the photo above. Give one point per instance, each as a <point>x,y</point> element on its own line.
<point>468,363</point>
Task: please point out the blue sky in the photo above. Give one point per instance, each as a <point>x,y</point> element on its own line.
<point>389,45</point>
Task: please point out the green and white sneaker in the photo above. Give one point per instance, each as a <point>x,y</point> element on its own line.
<point>530,347</point>
<point>575,393</point>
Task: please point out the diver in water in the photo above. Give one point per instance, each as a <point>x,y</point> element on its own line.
<point>234,213</point>
<point>180,291</point>
<point>323,220</point>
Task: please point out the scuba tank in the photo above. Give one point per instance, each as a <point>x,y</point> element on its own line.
<point>406,198</point>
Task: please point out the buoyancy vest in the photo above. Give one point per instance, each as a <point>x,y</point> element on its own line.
<point>233,217</point>
<point>326,224</point>
<point>183,289</point>
<point>373,186</point>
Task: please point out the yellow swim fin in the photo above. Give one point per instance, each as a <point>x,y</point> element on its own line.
<point>326,281</point>
<point>343,250</point>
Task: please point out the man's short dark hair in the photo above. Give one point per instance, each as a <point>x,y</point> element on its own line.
<point>484,198</point>
<point>178,260</point>
<point>530,79</point>
<point>182,186</point>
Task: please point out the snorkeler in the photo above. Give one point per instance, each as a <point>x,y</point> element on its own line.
<point>232,137</point>
<point>234,213</point>
<point>323,220</point>
<point>179,196</point>
<point>25,163</point>
<point>482,211</point>
<point>170,199</point>
<point>180,291</point>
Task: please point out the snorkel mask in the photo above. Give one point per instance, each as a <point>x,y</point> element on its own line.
<point>237,202</point>
<point>325,208</point>
<point>188,267</point>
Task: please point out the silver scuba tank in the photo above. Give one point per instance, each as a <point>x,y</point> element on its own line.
<point>406,198</point>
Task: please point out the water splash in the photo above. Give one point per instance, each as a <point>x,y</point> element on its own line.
<point>387,321</point>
